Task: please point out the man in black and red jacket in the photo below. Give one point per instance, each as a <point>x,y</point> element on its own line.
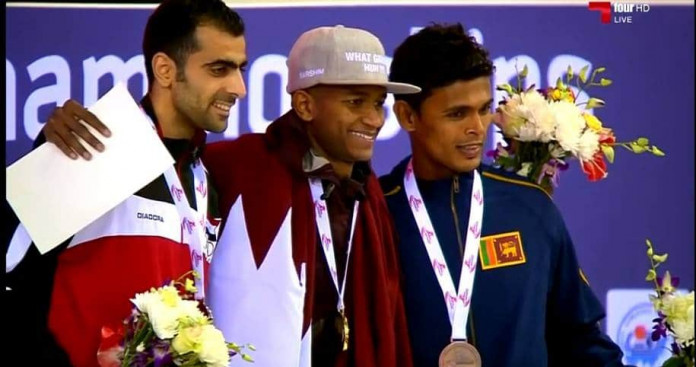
<point>59,301</point>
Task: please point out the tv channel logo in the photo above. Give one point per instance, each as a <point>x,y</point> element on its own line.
<point>616,12</point>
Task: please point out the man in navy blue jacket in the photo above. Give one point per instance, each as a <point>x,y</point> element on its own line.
<point>526,303</point>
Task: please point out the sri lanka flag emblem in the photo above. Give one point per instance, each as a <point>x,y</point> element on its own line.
<point>501,250</point>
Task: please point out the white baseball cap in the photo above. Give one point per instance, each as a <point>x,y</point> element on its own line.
<point>340,56</point>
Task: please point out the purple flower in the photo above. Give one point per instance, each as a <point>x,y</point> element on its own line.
<point>499,151</point>
<point>161,353</point>
<point>660,328</point>
<point>141,359</point>
<point>676,349</point>
<point>673,280</point>
<point>552,169</point>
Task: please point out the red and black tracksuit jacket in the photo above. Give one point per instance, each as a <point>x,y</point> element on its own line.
<point>60,300</point>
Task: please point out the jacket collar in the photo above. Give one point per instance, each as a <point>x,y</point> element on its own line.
<point>288,134</point>
<point>182,150</point>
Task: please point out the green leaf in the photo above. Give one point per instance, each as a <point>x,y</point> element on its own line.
<point>656,151</point>
<point>650,251</point>
<point>507,88</point>
<point>647,242</point>
<point>524,72</point>
<point>583,74</point>
<point>608,152</point>
<point>600,69</point>
<point>594,103</point>
<point>604,82</point>
<point>644,142</point>
<point>651,275</point>
<point>674,362</point>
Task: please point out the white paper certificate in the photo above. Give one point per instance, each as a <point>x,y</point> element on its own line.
<point>55,196</point>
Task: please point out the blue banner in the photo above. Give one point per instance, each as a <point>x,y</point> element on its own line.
<point>53,54</point>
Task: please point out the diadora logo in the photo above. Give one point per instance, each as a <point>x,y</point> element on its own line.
<point>620,13</point>
<point>149,216</point>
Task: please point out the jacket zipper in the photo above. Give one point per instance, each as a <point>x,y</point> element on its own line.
<point>455,191</point>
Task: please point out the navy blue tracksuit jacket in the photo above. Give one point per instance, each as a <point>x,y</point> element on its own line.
<point>531,306</point>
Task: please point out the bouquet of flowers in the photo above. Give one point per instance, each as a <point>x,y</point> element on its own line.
<point>675,313</point>
<point>543,129</point>
<point>167,327</point>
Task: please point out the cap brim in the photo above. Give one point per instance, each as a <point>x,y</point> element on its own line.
<point>392,87</point>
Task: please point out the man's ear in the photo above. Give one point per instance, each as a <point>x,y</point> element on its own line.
<point>163,69</point>
<point>406,115</point>
<point>304,105</point>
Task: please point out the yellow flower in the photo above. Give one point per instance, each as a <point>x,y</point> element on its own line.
<point>164,320</point>
<point>214,350</point>
<point>189,286</point>
<point>190,314</point>
<point>676,306</point>
<point>684,328</point>
<point>666,285</point>
<point>170,296</point>
<point>188,340</point>
<point>556,95</point>
<point>679,310</point>
<point>206,342</point>
<point>593,122</point>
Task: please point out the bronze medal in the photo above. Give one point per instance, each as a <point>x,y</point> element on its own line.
<point>459,354</point>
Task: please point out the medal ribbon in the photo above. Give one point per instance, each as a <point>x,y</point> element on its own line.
<point>457,302</point>
<point>321,214</point>
<point>193,222</point>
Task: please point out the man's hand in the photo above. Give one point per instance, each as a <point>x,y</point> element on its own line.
<point>67,123</point>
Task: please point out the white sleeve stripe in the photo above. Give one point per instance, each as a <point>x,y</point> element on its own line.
<point>19,245</point>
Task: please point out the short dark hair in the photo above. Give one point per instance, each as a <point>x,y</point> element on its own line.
<point>437,56</point>
<point>172,28</point>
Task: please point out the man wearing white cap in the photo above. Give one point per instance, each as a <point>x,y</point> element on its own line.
<point>306,266</point>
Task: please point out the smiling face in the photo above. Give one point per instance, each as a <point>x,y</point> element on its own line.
<point>211,79</point>
<point>344,121</point>
<point>449,132</point>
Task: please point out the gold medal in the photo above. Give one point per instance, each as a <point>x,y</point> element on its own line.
<point>459,354</point>
<point>345,333</point>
